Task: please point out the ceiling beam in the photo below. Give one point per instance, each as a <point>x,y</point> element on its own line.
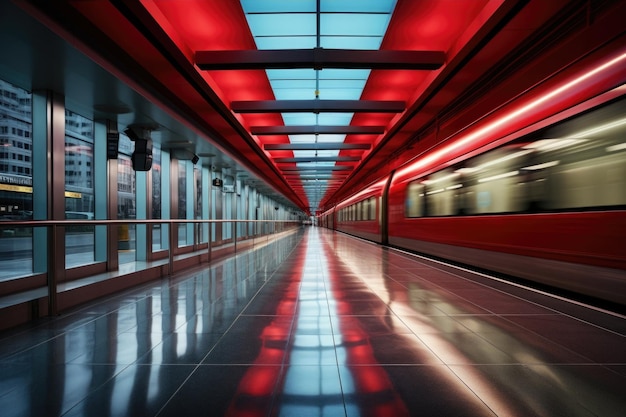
<point>317,130</point>
<point>319,58</point>
<point>325,179</point>
<point>318,169</point>
<point>327,176</point>
<point>320,146</point>
<point>317,159</point>
<point>317,106</point>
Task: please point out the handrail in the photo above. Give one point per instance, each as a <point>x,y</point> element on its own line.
<point>55,224</point>
<point>101,222</point>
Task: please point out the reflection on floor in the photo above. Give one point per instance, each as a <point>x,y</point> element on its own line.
<point>319,324</point>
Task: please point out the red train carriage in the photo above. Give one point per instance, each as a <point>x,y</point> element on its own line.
<point>535,188</point>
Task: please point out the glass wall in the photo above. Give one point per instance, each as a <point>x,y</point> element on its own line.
<point>16,180</point>
<point>126,208</point>
<point>157,229</point>
<point>24,192</point>
<point>182,202</point>
<point>199,197</point>
<point>79,189</point>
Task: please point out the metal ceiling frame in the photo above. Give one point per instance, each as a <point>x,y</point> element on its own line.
<point>316,130</point>
<point>318,106</point>
<point>319,146</point>
<point>319,58</point>
<point>317,159</point>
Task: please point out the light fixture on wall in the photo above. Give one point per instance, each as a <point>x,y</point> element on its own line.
<point>142,155</point>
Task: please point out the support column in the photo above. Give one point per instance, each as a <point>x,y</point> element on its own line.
<point>141,203</point>
<point>101,194</point>
<point>113,261</point>
<point>49,181</point>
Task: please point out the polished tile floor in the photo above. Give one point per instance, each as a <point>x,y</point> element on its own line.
<point>320,324</point>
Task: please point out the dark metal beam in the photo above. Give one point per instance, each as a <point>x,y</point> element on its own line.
<point>318,58</point>
<point>318,169</point>
<point>320,146</point>
<point>326,177</point>
<point>317,130</point>
<point>317,106</point>
<point>317,159</point>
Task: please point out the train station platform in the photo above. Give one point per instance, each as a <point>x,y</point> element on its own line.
<point>320,324</point>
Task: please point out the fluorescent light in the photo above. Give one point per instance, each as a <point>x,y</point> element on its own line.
<point>552,144</point>
<point>466,170</point>
<point>497,177</point>
<point>435,191</point>
<point>503,159</point>
<point>444,178</point>
<point>542,166</point>
<point>599,129</point>
<point>618,147</point>
<point>454,187</point>
<point>493,162</point>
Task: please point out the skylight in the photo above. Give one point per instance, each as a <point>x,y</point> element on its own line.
<point>346,24</point>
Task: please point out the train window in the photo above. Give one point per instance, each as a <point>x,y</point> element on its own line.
<point>415,200</point>
<point>581,163</point>
<point>442,193</point>
<point>365,210</point>
<point>577,164</point>
<point>372,206</point>
<point>494,182</point>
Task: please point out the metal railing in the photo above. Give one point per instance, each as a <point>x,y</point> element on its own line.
<point>54,250</point>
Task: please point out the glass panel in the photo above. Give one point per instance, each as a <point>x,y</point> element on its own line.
<point>16,180</point>
<point>295,94</point>
<point>157,229</point>
<point>298,119</point>
<point>291,74</point>
<point>344,74</point>
<point>79,189</point>
<point>343,83</point>
<point>305,84</point>
<point>363,6</point>
<point>351,42</point>
<point>350,24</point>
<point>182,202</point>
<point>197,172</point>
<point>273,6</point>
<point>282,24</point>
<point>331,119</point>
<point>286,42</point>
<point>126,209</point>
<point>340,94</point>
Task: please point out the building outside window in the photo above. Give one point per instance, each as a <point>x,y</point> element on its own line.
<point>79,189</point>
<point>16,181</point>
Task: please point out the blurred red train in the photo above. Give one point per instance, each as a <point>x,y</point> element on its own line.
<point>535,188</point>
